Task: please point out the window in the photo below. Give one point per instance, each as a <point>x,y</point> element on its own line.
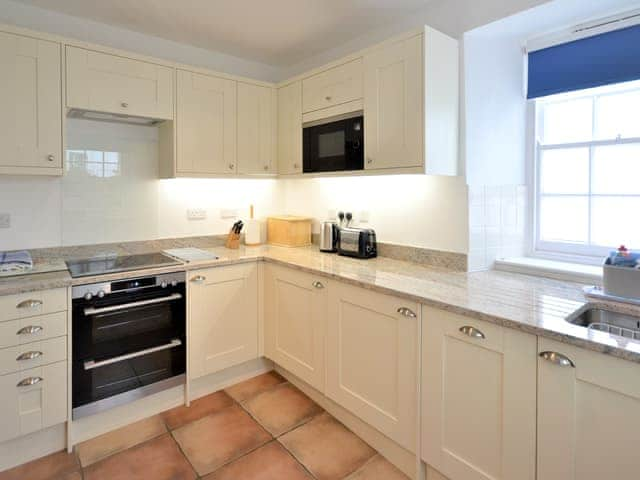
<point>587,171</point>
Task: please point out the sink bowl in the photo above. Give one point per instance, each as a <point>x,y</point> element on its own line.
<point>610,321</point>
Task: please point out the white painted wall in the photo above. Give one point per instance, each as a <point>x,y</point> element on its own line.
<point>417,210</point>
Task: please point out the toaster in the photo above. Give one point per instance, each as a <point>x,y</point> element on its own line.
<point>357,242</point>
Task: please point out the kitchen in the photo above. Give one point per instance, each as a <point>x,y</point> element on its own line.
<point>367,244</point>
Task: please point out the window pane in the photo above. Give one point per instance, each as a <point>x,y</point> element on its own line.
<point>564,171</point>
<point>616,169</point>
<point>614,222</point>
<point>567,121</point>
<point>564,219</point>
<point>618,115</point>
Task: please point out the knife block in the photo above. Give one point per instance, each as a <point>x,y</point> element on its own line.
<point>233,240</point>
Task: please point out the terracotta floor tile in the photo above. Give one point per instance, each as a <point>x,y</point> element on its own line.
<point>157,459</point>
<point>327,448</point>
<point>249,388</point>
<point>282,408</point>
<point>271,462</point>
<point>377,469</point>
<point>54,466</point>
<point>219,438</point>
<point>118,440</point>
<point>179,416</point>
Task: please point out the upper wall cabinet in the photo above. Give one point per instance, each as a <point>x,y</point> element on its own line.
<point>206,125</point>
<point>290,129</point>
<point>108,83</point>
<point>31,105</point>
<point>393,105</point>
<point>332,87</point>
<point>256,129</point>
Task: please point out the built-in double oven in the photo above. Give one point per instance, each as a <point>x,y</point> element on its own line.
<point>128,339</point>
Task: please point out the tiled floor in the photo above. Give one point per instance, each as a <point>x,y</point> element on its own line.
<point>260,429</point>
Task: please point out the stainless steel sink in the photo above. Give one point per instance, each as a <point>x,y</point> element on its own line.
<point>610,321</point>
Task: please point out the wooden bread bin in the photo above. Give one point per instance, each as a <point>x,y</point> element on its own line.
<point>289,231</point>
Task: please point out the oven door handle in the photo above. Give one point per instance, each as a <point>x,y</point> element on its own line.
<point>124,306</point>
<point>90,364</point>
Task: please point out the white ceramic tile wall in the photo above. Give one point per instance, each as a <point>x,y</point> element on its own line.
<point>110,192</point>
<point>497,224</point>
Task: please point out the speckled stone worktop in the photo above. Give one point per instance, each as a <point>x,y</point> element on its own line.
<point>531,304</point>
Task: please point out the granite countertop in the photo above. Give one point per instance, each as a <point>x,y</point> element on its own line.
<point>531,304</point>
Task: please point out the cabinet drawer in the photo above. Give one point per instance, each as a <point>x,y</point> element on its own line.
<point>31,355</point>
<point>337,85</point>
<point>33,303</point>
<point>109,83</point>
<point>28,408</point>
<point>32,329</point>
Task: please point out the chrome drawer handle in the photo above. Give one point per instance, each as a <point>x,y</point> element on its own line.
<point>91,364</point>
<point>407,312</point>
<point>557,359</point>
<point>198,279</point>
<point>30,330</point>
<point>29,304</point>
<point>141,303</point>
<point>28,382</point>
<point>472,332</point>
<point>317,284</point>
<point>28,356</point>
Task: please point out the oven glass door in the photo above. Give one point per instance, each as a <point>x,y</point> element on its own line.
<point>334,146</point>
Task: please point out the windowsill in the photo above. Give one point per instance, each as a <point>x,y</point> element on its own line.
<point>570,272</point>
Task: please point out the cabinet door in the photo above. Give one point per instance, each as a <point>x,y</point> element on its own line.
<point>28,408</point>
<point>372,359</point>
<point>31,105</point>
<point>478,398</point>
<point>393,105</point>
<point>223,307</point>
<point>588,415</point>
<point>206,119</point>
<point>337,85</point>
<point>109,83</point>
<point>295,322</point>
<point>290,129</point>
<point>256,129</point>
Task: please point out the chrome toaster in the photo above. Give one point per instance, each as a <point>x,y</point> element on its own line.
<point>357,242</point>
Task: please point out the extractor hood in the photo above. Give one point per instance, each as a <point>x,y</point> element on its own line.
<point>112,117</point>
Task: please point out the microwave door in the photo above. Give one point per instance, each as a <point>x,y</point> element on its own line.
<point>332,147</point>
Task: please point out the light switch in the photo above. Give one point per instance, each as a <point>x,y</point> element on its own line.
<point>5,220</point>
<point>196,214</point>
<point>228,213</point>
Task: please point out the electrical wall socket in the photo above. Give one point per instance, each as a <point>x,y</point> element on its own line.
<point>364,216</point>
<point>196,214</point>
<point>228,213</point>
<point>5,220</point>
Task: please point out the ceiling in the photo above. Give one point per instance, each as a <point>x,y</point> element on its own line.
<point>274,32</point>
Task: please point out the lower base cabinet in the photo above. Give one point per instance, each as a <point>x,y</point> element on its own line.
<point>478,399</point>
<point>372,359</point>
<point>223,316</point>
<point>588,414</point>
<point>295,323</point>
<point>33,399</point>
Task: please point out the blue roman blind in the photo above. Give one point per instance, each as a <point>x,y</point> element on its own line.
<point>604,59</point>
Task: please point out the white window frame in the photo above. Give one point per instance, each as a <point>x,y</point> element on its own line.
<point>572,252</point>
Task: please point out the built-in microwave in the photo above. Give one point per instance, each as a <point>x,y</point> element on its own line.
<point>333,145</point>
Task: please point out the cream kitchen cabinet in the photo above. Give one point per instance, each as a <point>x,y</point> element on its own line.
<point>478,399</point>
<point>31,105</point>
<point>290,129</point>
<point>332,87</point>
<point>588,414</point>
<point>256,129</point>
<point>206,124</point>
<point>223,318</point>
<point>295,322</point>
<point>372,359</point>
<point>393,105</point>
<point>102,82</point>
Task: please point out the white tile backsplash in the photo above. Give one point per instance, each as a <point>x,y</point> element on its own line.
<point>497,224</point>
